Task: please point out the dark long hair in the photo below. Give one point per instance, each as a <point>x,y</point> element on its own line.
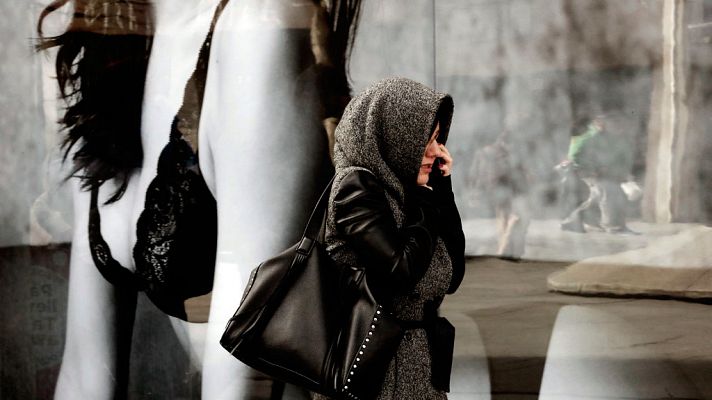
<point>101,65</point>
<point>343,22</point>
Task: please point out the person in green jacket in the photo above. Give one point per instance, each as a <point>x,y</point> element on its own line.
<point>602,157</point>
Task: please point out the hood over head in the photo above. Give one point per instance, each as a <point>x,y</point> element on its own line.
<point>385,129</point>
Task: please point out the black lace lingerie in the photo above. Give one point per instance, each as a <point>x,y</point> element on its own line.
<point>177,230</point>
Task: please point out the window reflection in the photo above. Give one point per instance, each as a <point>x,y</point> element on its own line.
<point>581,142</point>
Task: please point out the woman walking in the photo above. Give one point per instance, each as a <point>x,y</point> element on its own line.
<point>392,210</point>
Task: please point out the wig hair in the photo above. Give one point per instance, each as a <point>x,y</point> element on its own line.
<point>101,67</point>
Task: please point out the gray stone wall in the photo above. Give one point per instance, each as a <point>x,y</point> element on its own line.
<point>532,67</point>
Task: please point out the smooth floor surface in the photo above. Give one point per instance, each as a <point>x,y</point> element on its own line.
<point>554,346</point>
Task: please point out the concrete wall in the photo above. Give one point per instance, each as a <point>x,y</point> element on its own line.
<point>530,66</point>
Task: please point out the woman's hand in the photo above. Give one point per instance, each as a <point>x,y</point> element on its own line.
<point>446,161</point>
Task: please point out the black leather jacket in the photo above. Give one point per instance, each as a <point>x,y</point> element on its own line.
<point>398,258</point>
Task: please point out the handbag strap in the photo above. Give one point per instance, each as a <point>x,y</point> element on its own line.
<point>187,119</point>
<point>318,215</point>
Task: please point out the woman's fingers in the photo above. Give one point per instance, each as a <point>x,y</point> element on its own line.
<point>446,164</point>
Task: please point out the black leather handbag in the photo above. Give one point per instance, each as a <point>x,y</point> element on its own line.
<point>305,320</point>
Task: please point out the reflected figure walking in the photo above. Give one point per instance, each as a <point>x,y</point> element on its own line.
<point>602,157</point>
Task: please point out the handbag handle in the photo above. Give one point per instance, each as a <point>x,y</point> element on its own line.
<point>318,215</point>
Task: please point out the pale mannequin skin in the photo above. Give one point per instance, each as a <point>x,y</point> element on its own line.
<point>236,158</point>
<point>434,150</point>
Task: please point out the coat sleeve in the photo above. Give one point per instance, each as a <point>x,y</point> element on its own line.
<point>450,229</point>
<point>396,258</point>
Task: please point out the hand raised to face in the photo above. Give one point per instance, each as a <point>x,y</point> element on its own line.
<point>445,164</point>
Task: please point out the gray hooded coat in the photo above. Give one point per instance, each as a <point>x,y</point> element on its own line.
<point>408,237</point>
